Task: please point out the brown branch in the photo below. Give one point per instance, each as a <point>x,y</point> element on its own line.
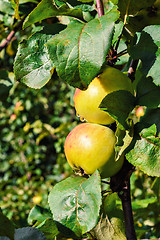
<point>132,69</point>
<point>100,8</point>
<point>120,183</point>
<point>11,35</point>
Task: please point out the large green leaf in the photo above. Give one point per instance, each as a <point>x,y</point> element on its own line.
<point>147,49</point>
<point>79,51</point>
<point>148,94</point>
<point>75,203</point>
<point>146,152</point>
<point>32,65</point>
<point>119,104</point>
<point>49,8</point>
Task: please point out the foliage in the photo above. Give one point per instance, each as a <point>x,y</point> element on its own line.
<point>55,47</point>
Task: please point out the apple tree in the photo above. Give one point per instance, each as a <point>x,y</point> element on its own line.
<point>76,41</point>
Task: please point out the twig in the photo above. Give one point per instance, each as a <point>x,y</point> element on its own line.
<point>11,35</point>
<point>100,8</point>
<point>132,69</point>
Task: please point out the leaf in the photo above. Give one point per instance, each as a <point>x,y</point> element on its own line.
<point>32,65</point>
<point>147,49</point>
<point>38,214</point>
<point>146,152</point>
<point>145,17</point>
<point>75,203</point>
<point>150,118</point>
<point>156,187</point>
<point>47,9</point>
<point>124,138</point>
<point>143,203</point>
<point>111,224</point>
<point>49,228</point>
<point>6,227</point>
<point>148,94</point>
<point>119,104</point>
<point>4,238</point>
<point>28,233</point>
<point>5,85</point>
<point>79,51</point>
<point>131,7</point>
<point>6,7</point>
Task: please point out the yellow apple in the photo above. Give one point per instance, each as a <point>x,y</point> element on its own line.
<point>87,101</point>
<point>90,146</point>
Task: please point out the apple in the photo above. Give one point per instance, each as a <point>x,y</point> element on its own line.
<point>87,101</point>
<point>140,112</point>
<point>90,146</point>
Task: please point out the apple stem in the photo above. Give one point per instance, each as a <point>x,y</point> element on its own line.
<point>100,8</point>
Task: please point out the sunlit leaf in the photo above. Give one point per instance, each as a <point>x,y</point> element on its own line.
<point>75,201</point>
<point>146,152</point>
<point>47,9</point>
<point>147,49</point>
<point>79,51</point>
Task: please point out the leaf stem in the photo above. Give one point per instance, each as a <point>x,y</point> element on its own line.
<point>100,8</point>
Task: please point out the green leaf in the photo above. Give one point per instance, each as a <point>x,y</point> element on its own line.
<point>143,203</point>
<point>119,104</point>
<point>148,94</point>
<point>124,138</point>
<point>32,65</point>
<point>148,50</point>
<point>150,118</point>
<point>28,233</point>
<point>49,228</point>
<point>156,187</point>
<point>131,7</point>
<point>111,224</point>
<point>146,152</point>
<point>38,214</point>
<point>6,227</point>
<point>145,17</point>
<point>47,9</point>
<point>75,203</point>
<point>4,238</point>
<point>79,51</point>
<point>6,7</point>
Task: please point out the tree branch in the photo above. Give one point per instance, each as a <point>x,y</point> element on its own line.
<point>132,69</point>
<point>120,183</point>
<point>100,7</point>
<point>11,35</point>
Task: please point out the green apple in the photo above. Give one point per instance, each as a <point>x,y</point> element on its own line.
<point>87,101</point>
<point>90,146</point>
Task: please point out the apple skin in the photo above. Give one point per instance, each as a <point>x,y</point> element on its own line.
<point>87,101</point>
<point>90,146</point>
